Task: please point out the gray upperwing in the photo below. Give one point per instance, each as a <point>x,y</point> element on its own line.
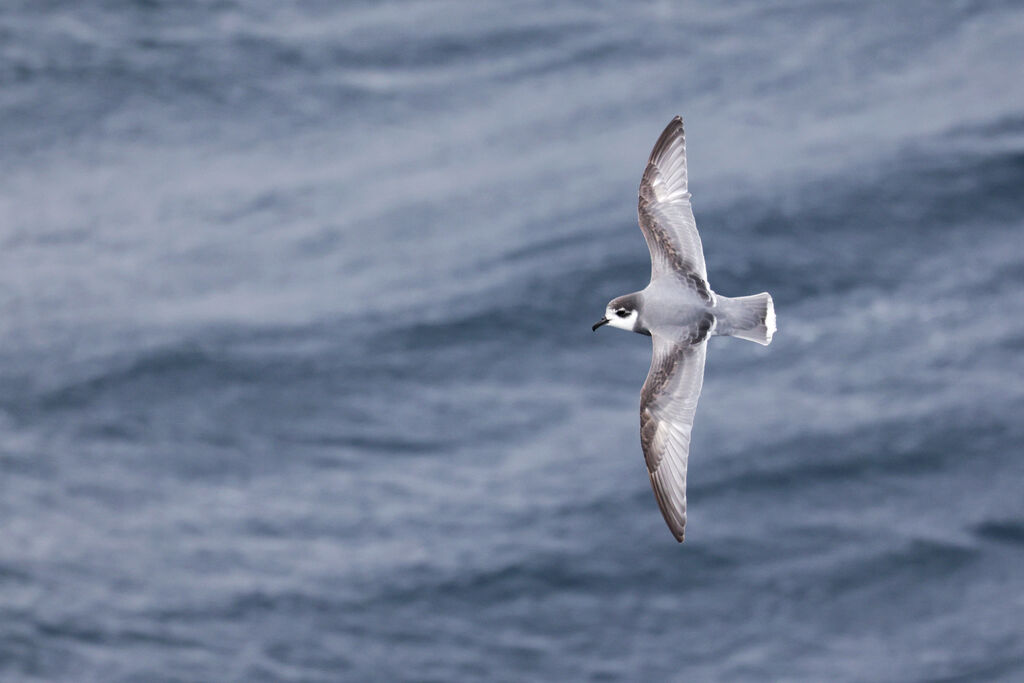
<point>665,215</point>
<point>668,402</point>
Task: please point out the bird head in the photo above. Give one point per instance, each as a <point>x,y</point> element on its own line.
<point>622,313</point>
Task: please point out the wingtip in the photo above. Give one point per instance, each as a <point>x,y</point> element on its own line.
<point>672,132</point>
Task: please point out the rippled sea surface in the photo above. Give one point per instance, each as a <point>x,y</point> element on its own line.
<point>297,380</point>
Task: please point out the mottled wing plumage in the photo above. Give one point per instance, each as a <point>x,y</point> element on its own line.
<point>667,406</point>
<point>665,215</point>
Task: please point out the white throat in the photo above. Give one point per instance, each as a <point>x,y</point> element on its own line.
<point>622,323</point>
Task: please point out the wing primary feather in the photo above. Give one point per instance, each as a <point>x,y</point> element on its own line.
<point>664,211</point>
<point>667,405</point>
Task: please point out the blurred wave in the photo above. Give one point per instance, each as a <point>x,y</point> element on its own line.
<point>296,374</point>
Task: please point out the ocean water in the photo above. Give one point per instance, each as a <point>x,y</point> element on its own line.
<point>297,381</point>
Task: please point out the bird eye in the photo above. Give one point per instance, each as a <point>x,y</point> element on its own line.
<point>622,313</point>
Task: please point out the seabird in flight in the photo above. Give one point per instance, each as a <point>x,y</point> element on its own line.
<point>680,312</point>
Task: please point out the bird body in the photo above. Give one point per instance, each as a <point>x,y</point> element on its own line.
<point>680,312</point>
<point>674,310</point>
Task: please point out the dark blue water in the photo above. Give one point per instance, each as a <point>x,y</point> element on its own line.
<point>297,380</point>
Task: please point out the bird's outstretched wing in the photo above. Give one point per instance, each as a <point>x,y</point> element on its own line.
<point>666,218</point>
<point>668,402</point>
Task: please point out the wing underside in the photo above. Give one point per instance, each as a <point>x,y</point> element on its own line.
<point>665,215</point>
<point>668,403</point>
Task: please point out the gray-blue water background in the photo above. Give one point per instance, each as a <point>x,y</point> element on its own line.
<point>297,380</point>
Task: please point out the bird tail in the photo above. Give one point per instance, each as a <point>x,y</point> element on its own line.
<point>750,317</point>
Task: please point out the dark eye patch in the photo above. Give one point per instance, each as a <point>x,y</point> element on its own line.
<point>622,313</point>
